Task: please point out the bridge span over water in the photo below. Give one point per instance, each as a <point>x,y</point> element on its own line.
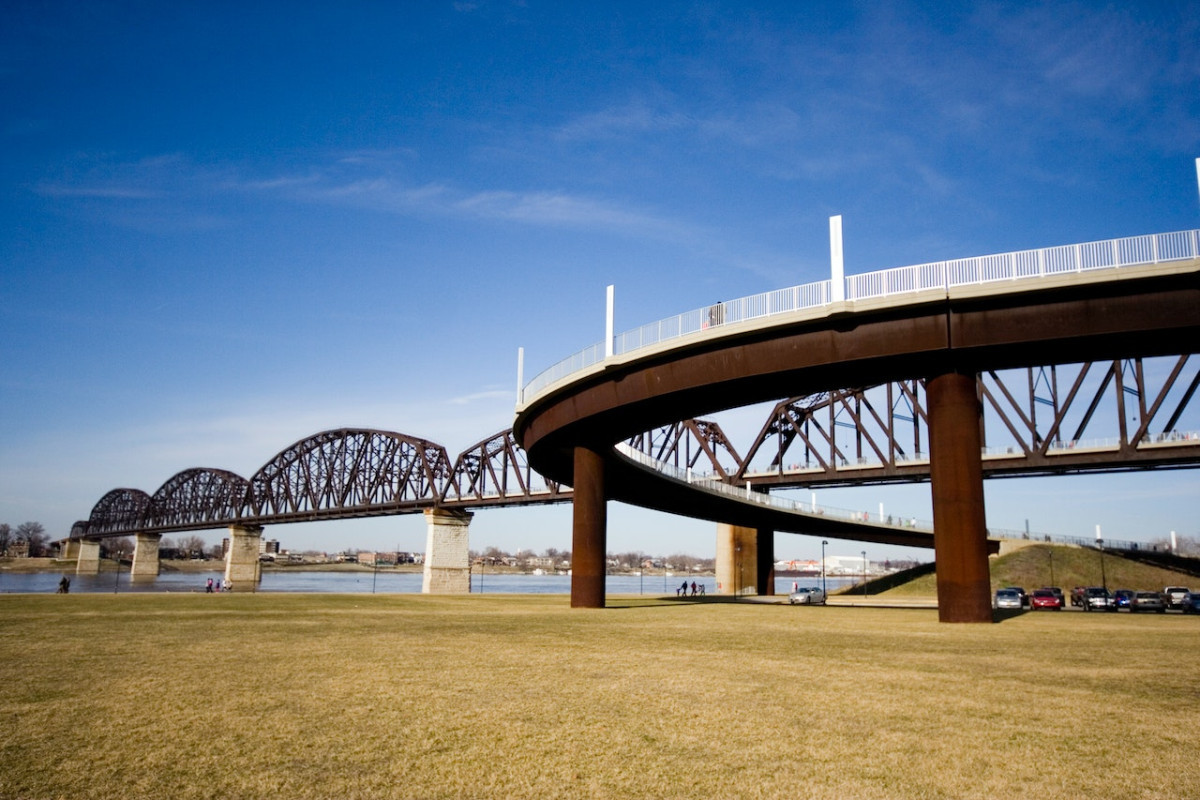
<point>1060,352</point>
<point>944,324</point>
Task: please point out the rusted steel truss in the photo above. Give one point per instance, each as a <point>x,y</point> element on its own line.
<point>496,472</point>
<point>1089,417</point>
<point>348,473</point>
<point>1095,416</point>
<point>692,444</point>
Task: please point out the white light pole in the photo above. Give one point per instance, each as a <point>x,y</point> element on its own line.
<point>837,268</point>
<point>823,543</point>
<point>608,321</point>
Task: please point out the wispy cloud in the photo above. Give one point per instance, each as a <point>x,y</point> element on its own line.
<point>490,394</point>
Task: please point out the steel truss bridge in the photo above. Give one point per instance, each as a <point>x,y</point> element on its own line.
<point>1057,419</point>
<point>1076,368</point>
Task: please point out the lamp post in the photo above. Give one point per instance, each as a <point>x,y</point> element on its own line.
<point>864,555</point>
<point>823,543</point>
<point>1050,553</point>
<point>1103,577</point>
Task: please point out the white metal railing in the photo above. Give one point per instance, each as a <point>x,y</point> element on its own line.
<point>898,282</point>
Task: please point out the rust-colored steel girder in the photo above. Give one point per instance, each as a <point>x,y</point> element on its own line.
<point>963,334</point>
<point>1122,319</point>
<point>495,472</point>
<point>1037,421</point>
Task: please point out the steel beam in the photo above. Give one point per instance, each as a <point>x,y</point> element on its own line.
<point>956,480</point>
<point>765,554</point>
<point>589,531</point>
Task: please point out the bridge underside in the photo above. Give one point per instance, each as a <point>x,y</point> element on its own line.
<point>959,335</point>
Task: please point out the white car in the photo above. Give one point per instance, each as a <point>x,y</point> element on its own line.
<point>807,596</point>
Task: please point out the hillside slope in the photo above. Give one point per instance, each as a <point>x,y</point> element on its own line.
<point>1058,565</point>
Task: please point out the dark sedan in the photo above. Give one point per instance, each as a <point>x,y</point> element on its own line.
<point>1191,603</point>
<point>1148,601</point>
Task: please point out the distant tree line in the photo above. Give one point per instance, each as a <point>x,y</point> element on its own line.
<point>630,561</point>
<point>28,538</point>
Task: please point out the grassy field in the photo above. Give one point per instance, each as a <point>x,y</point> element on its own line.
<point>410,696</point>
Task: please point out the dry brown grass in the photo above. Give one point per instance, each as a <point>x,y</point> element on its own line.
<point>353,696</point>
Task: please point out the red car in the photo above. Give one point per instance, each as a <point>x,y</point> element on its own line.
<point>1045,598</point>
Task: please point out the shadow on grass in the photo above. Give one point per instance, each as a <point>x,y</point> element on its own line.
<point>1005,614</point>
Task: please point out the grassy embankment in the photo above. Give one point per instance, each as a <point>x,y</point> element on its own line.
<point>1030,568</point>
<point>408,696</point>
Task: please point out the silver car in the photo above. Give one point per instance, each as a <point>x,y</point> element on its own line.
<point>807,596</point>
<point>1009,598</point>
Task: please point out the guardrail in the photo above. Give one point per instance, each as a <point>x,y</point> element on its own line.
<point>712,483</point>
<point>1026,265</point>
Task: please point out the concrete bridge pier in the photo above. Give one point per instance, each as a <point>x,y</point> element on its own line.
<point>242,567</point>
<point>145,556</point>
<point>737,559</point>
<point>89,557</point>
<point>447,552</point>
<point>956,484</point>
<point>589,530</point>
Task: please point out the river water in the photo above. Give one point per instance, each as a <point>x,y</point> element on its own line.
<point>382,582</point>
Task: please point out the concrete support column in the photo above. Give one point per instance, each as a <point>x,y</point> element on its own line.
<point>764,546</point>
<point>737,559</point>
<point>956,480</point>
<point>589,531</point>
<point>447,552</point>
<point>145,556</point>
<point>243,570</point>
<point>89,557</point>
<point>69,549</point>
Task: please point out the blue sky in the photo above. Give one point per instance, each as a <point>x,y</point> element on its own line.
<point>225,227</point>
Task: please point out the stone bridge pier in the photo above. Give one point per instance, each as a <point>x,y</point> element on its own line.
<point>88,562</point>
<point>447,552</point>
<point>243,570</point>
<point>145,557</point>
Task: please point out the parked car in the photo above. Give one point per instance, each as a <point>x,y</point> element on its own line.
<point>807,596</point>
<point>1191,603</point>
<point>1173,596</point>
<point>1058,592</point>
<point>1046,598</point>
<point>1009,598</point>
<point>1123,598</point>
<point>1148,601</point>
<point>1096,598</point>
